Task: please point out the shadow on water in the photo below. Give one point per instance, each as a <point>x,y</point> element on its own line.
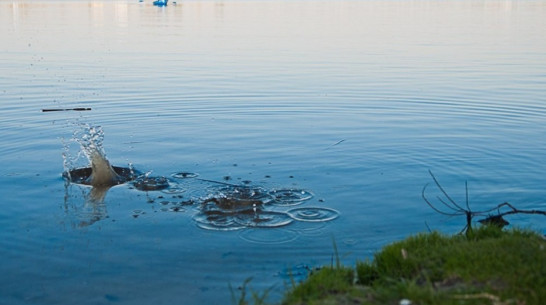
<point>224,207</point>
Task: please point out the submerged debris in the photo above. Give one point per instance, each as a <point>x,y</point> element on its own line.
<point>145,183</point>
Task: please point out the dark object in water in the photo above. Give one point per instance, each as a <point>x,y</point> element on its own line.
<point>495,220</point>
<point>229,205</point>
<point>144,183</point>
<point>82,175</point>
<point>183,175</point>
<point>66,109</point>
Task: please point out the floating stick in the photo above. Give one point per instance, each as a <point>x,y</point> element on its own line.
<point>66,109</point>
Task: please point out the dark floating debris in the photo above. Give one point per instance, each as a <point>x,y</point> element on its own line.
<point>184,175</point>
<point>176,209</point>
<point>144,183</point>
<point>230,205</point>
<point>82,175</point>
<point>226,205</point>
<point>235,207</point>
<point>137,213</point>
<point>65,109</point>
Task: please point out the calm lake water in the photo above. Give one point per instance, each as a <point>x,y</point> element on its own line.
<point>351,101</point>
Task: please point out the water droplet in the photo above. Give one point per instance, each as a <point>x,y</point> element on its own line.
<point>177,209</point>
<point>144,183</point>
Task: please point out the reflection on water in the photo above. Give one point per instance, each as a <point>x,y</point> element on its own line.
<point>93,209</point>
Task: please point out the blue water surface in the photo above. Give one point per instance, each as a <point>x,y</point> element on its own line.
<point>352,101</point>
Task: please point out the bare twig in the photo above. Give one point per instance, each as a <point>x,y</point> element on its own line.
<point>458,210</point>
<point>65,109</point>
<point>444,192</point>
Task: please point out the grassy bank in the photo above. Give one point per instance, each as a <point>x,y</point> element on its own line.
<point>487,266</point>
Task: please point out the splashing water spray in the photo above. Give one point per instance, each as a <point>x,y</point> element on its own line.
<point>232,207</point>
<point>99,173</point>
<point>102,173</point>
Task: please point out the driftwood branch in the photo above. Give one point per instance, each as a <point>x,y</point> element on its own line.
<point>456,209</point>
<point>65,109</point>
<point>514,210</point>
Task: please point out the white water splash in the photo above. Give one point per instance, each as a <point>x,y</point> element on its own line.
<point>90,139</point>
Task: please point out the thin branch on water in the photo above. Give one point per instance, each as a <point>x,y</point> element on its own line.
<point>466,191</point>
<point>458,210</point>
<point>432,206</point>
<point>518,211</point>
<point>444,192</point>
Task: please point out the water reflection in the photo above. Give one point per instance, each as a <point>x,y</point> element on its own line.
<point>94,207</point>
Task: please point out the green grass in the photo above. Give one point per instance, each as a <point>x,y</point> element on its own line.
<point>487,266</point>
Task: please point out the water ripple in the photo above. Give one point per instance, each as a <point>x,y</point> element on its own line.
<point>289,197</point>
<point>278,236</point>
<point>313,214</point>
